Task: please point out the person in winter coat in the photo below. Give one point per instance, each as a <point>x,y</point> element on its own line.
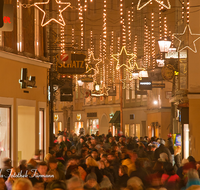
<point>162,149</point>
<point>123,177</point>
<point>177,158</point>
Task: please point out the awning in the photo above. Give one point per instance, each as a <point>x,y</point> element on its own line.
<point>116,118</point>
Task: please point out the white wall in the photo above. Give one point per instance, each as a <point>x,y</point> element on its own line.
<point>26,131</point>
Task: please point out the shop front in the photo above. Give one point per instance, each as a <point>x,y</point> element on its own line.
<point>93,126</point>
<point>23,107</point>
<point>158,123</point>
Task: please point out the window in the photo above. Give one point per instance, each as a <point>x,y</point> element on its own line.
<point>5,131</point>
<point>127,94</point>
<point>1,38</point>
<point>37,26</point>
<point>41,130</point>
<point>132,116</point>
<point>19,27</point>
<point>133,89</point>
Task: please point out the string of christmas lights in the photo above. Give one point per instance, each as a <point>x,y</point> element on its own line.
<point>112,68</point>
<point>122,23</point>
<point>80,8</point>
<point>105,65</point>
<point>153,42</point>
<point>146,44</point>
<point>72,37</point>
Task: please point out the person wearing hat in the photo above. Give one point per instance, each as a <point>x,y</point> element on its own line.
<point>162,149</point>
<point>5,168</point>
<point>91,182</point>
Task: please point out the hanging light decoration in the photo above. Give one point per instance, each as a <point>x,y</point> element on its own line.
<point>80,8</point>
<point>105,66</point>
<point>153,42</point>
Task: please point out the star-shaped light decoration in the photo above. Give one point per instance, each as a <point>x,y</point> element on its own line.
<point>100,91</point>
<point>62,22</point>
<point>183,39</point>
<point>92,64</point>
<point>117,58</point>
<point>143,3</point>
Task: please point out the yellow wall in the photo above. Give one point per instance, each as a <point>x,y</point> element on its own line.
<point>163,119</point>
<point>194,122</point>
<point>10,74</point>
<point>12,94</point>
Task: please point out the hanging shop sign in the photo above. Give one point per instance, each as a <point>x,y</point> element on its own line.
<point>145,84</point>
<point>168,72</point>
<point>25,81</point>
<point>78,117</point>
<point>87,79</point>
<point>6,17</point>
<point>141,92</point>
<point>158,85</point>
<point>112,91</point>
<point>66,91</point>
<point>71,64</point>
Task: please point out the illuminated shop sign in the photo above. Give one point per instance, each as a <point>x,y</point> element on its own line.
<point>145,85</point>
<point>6,23</point>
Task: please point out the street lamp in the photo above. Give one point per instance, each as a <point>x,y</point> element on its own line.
<point>164,45</point>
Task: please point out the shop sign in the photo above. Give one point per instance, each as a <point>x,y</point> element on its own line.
<point>178,140</point>
<point>158,85</point>
<point>6,22</point>
<point>27,82</point>
<point>74,64</point>
<point>87,79</point>
<point>145,84</point>
<point>78,117</point>
<point>112,91</point>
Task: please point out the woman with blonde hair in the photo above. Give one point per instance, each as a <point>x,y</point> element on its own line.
<point>177,158</point>
<point>92,166</point>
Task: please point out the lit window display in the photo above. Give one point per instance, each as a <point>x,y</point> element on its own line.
<point>4,133</point>
<point>93,126</point>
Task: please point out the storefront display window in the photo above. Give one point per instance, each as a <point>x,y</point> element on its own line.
<point>186,140</point>
<point>132,130</point>
<point>93,126</point>
<point>4,133</point>
<point>138,130</point>
<point>78,126</point>
<point>127,130</point>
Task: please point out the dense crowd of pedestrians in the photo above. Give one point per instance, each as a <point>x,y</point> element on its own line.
<point>104,162</point>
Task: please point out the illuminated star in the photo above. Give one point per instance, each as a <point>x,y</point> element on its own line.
<point>142,3</point>
<point>185,35</point>
<point>60,20</point>
<point>117,58</point>
<point>92,61</point>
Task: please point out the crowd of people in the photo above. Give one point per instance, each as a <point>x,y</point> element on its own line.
<point>104,162</point>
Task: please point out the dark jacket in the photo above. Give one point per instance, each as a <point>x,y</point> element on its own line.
<point>122,181</point>
<point>96,170</point>
<point>162,149</point>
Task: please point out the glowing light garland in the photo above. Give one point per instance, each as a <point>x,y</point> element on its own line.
<point>153,42</point>
<point>92,61</point>
<point>117,58</point>
<point>61,20</point>
<point>139,6</point>
<point>187,31</point>
<point>105,65</point>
